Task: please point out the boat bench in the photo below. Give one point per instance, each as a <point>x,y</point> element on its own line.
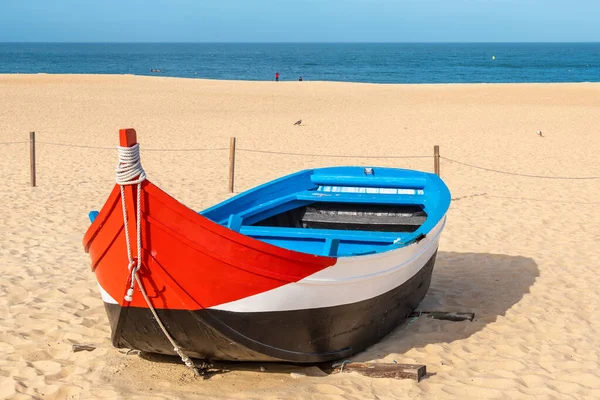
<point>322,234</point>
<point>331,238</point>
<point>348,219</point>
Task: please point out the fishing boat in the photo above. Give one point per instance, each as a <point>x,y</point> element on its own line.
<point>311,267</point>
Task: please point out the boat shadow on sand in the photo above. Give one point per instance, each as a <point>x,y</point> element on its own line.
<point>485,284</point>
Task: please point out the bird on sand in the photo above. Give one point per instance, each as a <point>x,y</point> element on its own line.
<point>539,133</point>
<point>298,122</point>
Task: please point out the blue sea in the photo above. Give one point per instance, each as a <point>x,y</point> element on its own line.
<point>364,62</point>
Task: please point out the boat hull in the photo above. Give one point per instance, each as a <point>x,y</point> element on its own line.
<point>298,336</point>
<point>230,285</point>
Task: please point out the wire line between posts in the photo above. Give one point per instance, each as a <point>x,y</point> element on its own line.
<point>115,147</point>
<point>232,150</point>
<point>18,142</point>
<point>519,174</point>
<point>324,155</point>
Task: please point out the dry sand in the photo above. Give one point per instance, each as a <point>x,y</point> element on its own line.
<point>521,253</point>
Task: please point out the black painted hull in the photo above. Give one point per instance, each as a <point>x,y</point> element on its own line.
<point>299,336</point>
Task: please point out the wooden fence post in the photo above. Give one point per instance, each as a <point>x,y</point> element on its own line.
<point>231,163</point>
<point>436,159</point>
<point>32,158</point>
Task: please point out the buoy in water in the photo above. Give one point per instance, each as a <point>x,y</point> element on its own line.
<point>493,57</point>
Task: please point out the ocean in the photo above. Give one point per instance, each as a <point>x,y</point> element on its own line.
<point>359,62</point>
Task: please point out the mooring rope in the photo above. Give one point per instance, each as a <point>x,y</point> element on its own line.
<point>184,357</point>
<point>343,363</point>
<point>129,171</point>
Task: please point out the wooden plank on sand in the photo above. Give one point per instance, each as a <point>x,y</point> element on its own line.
<point>444,315</point>
<point>384,370</point>
<point>83,347</point>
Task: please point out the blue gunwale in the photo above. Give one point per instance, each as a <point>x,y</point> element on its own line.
<point>300,189</point>
<point>361,198</point>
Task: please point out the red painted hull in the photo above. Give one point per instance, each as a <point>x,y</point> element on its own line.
<point>188,261</point>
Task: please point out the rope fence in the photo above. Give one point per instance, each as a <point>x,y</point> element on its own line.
<point>22,141</point>
<point>519,174</point>
<point>115,147</point>
<point>232,156</point>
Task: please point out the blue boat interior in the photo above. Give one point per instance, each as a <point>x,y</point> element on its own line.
<point>338,211</point>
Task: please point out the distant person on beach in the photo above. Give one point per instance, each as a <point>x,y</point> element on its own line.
<point>300,79</point>
<point>276,76</point>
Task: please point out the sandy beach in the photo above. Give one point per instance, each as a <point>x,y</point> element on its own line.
<point>520,252</point>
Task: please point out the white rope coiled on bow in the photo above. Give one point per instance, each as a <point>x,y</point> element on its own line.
<point>129,171</point>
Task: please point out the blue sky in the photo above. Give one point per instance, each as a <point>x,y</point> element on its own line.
<point>299,20</point>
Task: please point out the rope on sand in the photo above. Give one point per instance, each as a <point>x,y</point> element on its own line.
<point>343,363</point>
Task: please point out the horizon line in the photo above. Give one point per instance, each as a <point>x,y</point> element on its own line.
<point>298,42</point>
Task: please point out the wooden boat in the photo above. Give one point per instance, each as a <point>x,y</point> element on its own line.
<point>311,267</point>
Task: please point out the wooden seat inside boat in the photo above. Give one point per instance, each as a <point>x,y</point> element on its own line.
<point>343,216</point>
<point>381,218</point>
<point>329,242</point>
<point>323,234</point>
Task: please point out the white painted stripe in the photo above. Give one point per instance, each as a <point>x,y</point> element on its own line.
<point>350,280</point>
<point>107,298</point>
<point>370,190</point>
